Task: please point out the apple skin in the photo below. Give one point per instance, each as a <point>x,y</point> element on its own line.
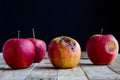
<point>64,52</point>
<point>40,49</point>
<point>102,49</point>
<point>18,53</point>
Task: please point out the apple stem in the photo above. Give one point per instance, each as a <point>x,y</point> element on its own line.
<point>101,30</point>
<point>18,34</point>
<point>33,32</point>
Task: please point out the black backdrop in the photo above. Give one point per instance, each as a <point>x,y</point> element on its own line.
<point>51,18</point>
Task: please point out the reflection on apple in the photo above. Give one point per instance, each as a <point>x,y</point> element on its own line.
<point>18,53</point>
<point>102,49</point>
<point>40,48</point>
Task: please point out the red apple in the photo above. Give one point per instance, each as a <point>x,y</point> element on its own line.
<point>40,49</point>
<point>18,53</point>
<point>102,49</point>
<point>64,52</point>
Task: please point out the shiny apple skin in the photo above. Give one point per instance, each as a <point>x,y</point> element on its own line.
<point>40,49</point>
<point>18,53</point>
<point>102,49</point>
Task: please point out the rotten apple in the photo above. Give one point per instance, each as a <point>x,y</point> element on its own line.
<point>64,52</point>
<point>102,49</point>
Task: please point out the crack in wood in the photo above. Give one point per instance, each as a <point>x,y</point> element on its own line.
<point>30,71</point>
<point>85,73</point>
<point>117,72</point>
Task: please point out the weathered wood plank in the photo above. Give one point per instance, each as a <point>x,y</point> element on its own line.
<point>2,62</point>
<point>115,66</point>
<point>6,73</point>
<point>84,55</point>
<point>98,72</point>
<point>43,71</point>
<point>71,74</point>
<point>1,58</point>
<point>9,74</point>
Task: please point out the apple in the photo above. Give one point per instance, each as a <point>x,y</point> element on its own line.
<point>40,48</point>
<point>102,49</point>
<point>64,52</point>
<point>18,53</point>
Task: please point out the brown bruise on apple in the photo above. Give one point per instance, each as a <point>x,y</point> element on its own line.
<point>111,46</point>
<point>64,52</point>
<point>67,42</point>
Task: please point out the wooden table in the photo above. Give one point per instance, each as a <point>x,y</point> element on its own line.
<point>44,70</point>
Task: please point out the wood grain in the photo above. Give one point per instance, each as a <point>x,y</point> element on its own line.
<point>115,66</point>
<point>98,72</point>
<point>44,70</point>
<point>71,74</point>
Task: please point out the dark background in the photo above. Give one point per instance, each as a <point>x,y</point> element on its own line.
<point>51,18</point>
